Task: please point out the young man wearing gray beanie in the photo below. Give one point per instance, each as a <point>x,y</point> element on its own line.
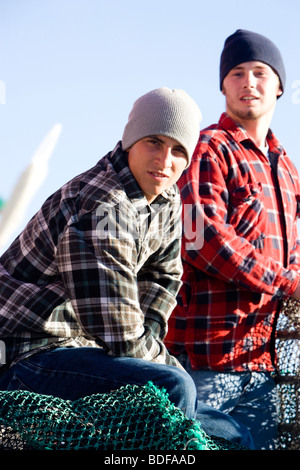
<point>88,286</point>
<point>249,261</point>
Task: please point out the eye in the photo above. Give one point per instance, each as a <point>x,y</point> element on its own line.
<point>179,152</point>
<point>261,73</point>
<point>153,141</point>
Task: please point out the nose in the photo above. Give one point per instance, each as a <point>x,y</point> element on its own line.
<point>165,157</point>
<point>249,80</point>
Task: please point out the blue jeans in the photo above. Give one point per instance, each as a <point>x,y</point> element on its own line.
<point>250,398</point>
<point>72,373</point>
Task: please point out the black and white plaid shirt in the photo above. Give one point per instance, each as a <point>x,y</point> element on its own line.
<point>96,266</point>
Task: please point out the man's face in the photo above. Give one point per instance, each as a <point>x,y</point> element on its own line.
<point>251,91</point>
<point>156,162</point>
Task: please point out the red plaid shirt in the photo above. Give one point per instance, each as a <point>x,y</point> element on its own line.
<point>250,254</point>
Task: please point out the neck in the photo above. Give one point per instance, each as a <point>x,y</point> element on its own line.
<point>256,127</point>
<point>257,133</point>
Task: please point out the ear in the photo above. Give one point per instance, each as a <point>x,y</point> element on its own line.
<point>279,93</point>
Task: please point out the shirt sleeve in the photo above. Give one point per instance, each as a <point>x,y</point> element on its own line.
<point>219,250</point>
<point>31,304</point>
<point>121,306</point>
<point>159,279</point>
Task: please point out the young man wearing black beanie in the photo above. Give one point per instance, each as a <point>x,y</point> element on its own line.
<point>248,190</point>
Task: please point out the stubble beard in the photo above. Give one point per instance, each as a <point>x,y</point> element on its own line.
<point>248,115</point>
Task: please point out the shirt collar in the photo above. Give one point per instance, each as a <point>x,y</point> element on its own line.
<point>240,134</point>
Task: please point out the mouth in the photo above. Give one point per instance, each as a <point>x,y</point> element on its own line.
<point>249,98</point>
<point>159,175</point>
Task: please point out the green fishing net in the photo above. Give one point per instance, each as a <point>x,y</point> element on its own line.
<point>130,418</point>
<point>288,375</point>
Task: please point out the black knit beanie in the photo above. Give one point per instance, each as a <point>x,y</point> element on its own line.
<point>245,46</point>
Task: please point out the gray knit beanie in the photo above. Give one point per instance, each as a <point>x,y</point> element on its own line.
<point>245,46</point>
<point>163,111</point>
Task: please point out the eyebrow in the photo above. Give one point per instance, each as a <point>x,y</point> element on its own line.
<point>162,141</point>
<point>242,67</point>
<point>155,137</point>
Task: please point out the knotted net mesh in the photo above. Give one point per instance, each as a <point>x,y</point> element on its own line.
<point>130,418</point>
<point>288,375</point>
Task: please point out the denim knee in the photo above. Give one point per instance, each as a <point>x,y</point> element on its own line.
<point>182,391</point>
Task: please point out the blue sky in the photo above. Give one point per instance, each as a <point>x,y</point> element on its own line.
<point>82,63</point>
